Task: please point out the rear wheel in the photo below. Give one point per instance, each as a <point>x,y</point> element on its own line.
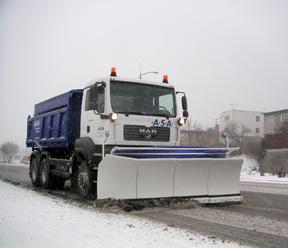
<point>84,180</point>
<point>34,172</point>
<point>45,179</point>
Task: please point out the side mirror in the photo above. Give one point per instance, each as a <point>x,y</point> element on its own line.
<point>100,84</point>
<point>90,102</point>
<point>100,89</point>
<point>92,105</point>
<point>95,97</point>
<point>184,103</point>
<point>185,113</point>
<point>184,106</point>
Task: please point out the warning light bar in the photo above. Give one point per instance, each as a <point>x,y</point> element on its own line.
<point>165,79</point>
<point>113,72</point>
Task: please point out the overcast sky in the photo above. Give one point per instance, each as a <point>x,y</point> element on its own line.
<point>219,52</point>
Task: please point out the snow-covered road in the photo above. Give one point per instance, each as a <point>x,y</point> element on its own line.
<point>29,219</point>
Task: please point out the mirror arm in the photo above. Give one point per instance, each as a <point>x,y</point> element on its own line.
<point>180,92</point>
<point>102,116</point>
<point>95,112</point>
<point>100,84</point>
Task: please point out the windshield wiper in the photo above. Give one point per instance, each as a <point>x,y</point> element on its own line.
<point>145,113</point>
<point>139,113</point>
<point>132,113</point>
<point>163,115</point>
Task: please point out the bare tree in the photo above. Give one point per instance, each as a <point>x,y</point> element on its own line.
<point>281,128</point>
<point>9,149</point>
<point>196,135</point>
<point>205,138</point>
<point>193,125</point>
<point>197,126</point>
<point>279,139</point>
<point>235,133</point>
<point>256,148</point>
<point>189,124</point>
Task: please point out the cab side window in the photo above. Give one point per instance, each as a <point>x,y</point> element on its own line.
<point>94,99</point>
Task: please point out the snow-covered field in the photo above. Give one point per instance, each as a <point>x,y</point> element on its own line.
<point>29,219</point>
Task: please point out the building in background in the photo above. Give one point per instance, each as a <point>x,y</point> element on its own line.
<point>275,121</point>
<point>276,130</point>
<point>250,121</point>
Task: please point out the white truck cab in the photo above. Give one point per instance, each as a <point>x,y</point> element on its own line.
<point>121,111</point>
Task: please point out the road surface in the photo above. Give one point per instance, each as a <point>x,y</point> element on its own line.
<point>261,220</point>
<point>264,187</point>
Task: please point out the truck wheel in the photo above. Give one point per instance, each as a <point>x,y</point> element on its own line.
<point>84,178</point>
<point>45,180</point>
<point>34,172</point>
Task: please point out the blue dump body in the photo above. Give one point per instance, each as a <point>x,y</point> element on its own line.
<point>56,122</point>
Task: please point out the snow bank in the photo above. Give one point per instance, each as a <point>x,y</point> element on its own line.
<point>250,166</point>
<point>28,219</point>
<point>15,164</point>
<point>250,172</point>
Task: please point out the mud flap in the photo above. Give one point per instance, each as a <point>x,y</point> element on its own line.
<point>129,178</point>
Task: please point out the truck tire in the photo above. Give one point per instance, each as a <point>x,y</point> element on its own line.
<point>34,172</point>
<point>84,180</point>
<point>45,179</point>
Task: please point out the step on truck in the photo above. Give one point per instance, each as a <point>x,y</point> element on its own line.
<point>119,138</point>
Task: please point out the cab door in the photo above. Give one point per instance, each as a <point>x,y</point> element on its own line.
<point>93,110</point>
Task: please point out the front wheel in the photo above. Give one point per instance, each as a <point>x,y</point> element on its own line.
<point>84,181</point>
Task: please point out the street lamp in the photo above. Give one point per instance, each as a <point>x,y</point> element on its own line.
<point>148,72</point>
<point>233,105</point>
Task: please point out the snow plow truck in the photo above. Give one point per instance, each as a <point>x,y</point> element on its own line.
<point>119,138</point>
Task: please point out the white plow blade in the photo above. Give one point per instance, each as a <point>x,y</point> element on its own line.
<point>224,180</point>
<point>117,178</point>
<point>129,178</point>
<point>154,178</point>
<point>224,176</point>
<point>191,176</point>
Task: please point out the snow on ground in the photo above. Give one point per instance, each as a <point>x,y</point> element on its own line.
<point>15,164</point>
<point>250,172</point>
<point>29,219</point>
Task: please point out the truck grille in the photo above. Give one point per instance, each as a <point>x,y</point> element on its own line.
<point>142,133</point>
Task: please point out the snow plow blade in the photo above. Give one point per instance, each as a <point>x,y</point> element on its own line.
<point>210,179</point>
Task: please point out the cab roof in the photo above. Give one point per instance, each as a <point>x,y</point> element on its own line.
<point>132,80</point>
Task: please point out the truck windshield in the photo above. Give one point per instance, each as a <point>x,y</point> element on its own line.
<point>142,99</point>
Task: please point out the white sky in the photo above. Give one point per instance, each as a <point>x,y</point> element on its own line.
<point>218,52</point>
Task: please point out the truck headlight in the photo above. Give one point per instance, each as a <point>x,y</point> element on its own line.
<point>113,116</point>
<point>181,121</point>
